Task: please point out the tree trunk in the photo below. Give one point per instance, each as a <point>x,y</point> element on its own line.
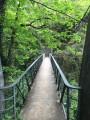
<point>1,85</point>
<point>2,11</point>
<point>12,43</point>
<point>85,78</point>
<point>10,51</point>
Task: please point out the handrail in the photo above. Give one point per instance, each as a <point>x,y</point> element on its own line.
<point>18,90</point>
<point>18,79</point>
<point>63,76</point>
<point>70,96</point>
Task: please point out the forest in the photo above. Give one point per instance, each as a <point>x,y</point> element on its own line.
<point>29,26</point>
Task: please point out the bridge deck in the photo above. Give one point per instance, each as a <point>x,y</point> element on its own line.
<point>42,102</point>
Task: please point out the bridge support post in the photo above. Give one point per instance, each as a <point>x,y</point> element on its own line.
<point>14,103</point>
<point>68,103</point>
<point>43,55</point>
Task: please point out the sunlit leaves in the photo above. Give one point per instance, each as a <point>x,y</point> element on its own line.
<point>28,40</point>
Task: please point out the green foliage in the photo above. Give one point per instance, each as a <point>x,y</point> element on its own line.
<point>29,26</point>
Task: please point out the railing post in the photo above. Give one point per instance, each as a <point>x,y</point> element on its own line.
<point>33,72</point>
<point>27,83</point>
<point>62,94</point>
<point>43,55</point>
<point>23,88</point>
<point>50,56</point>
<point>59,78</point>
<point>56,75</point>
<point>80,104</point>
<point>14,102</point>
<point>32,75</point>
<point>68,103</point>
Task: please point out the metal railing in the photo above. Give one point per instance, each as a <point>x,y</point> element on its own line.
<point>15,94</point>
<point>69,95</point>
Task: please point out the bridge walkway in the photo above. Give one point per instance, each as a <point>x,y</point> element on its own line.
<point>42,101</point>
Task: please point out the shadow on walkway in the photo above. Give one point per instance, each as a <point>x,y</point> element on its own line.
<point>42,102</point>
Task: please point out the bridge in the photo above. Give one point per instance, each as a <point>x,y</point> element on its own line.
<point>42,92</point>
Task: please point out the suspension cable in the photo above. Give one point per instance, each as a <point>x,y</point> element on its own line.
<point>53,9</point>
<point>38,3</point>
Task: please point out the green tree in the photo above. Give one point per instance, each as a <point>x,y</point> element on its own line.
<point>29,25</point>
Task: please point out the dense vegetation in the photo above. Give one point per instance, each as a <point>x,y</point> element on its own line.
<point>29,26</point>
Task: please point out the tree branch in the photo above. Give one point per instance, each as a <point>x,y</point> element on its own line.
<point>53,9</point>
<point>85,13</point>
<point>39,27</point>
